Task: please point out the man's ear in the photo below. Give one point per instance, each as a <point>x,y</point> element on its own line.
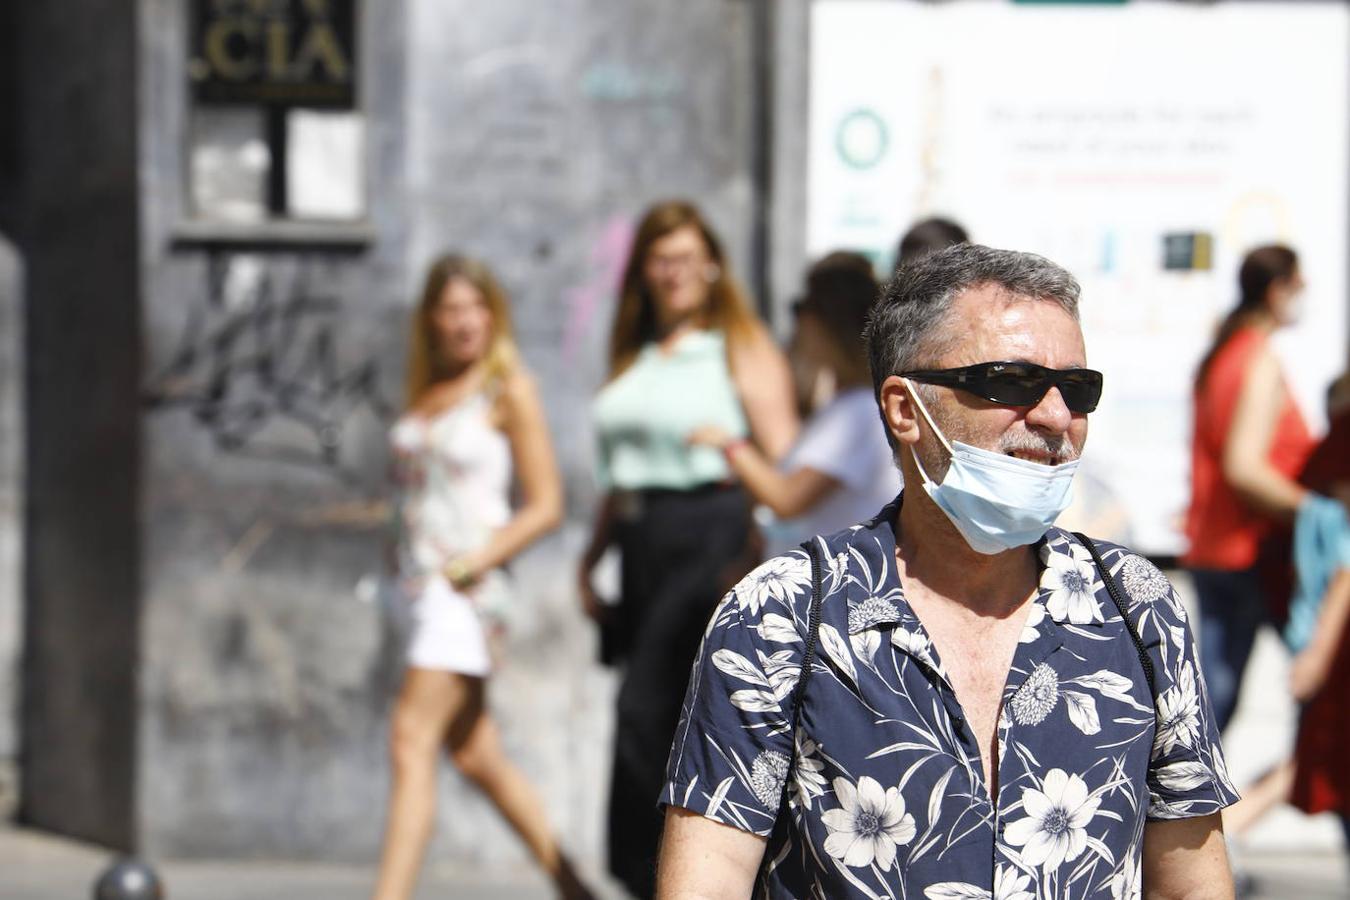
<point>897,407</point>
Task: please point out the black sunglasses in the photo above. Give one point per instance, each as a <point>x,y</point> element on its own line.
<point>1019,383</point>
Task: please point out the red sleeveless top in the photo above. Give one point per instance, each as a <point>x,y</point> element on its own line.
<point>1223,532</point>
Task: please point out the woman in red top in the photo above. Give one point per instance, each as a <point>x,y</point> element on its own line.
<point>1249,442</point>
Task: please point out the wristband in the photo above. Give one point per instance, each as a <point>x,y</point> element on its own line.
<point>730,447</point>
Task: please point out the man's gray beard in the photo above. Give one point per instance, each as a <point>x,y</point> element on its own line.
<point>1059,446</point>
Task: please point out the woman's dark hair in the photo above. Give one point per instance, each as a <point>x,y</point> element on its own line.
<point>928,236</point>
<point>840,289</point>
<point>1260,269</point>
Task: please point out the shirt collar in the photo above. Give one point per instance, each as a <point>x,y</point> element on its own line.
<point>864,565</point>
<point>1070,585</point>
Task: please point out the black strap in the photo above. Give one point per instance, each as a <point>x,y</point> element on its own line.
<point>808,660</point>
<point>1116,598</point>
<point>812,630</point>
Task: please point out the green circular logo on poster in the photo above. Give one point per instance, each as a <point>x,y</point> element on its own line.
<point>861,139</point>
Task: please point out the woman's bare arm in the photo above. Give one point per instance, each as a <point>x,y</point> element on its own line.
<point>764,384</point>
<point>1246,466</point>
<point>788,494</point>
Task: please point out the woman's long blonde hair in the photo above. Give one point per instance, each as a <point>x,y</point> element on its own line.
<point>502,356</point>
<point>635,323</point>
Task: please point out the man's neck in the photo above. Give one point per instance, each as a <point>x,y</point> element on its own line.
<point>931,552</point>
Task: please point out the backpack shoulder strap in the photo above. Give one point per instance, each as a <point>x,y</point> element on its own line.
<point>1118,599</point>
<point>808,659</point>
<point>812,631</point>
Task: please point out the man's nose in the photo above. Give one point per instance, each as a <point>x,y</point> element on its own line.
<point>1051,414</point>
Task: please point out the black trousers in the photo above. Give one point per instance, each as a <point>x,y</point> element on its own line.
<point>681,551</point>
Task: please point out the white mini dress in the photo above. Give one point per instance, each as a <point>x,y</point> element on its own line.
<point>453,476</point>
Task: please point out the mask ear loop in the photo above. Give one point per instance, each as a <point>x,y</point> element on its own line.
<point>923,410</point>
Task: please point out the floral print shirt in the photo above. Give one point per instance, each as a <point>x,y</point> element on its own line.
<point>886,793</point>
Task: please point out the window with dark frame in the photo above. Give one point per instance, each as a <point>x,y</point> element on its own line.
<point>275,131</point>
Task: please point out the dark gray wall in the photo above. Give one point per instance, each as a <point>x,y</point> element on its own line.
<point>78,234</point>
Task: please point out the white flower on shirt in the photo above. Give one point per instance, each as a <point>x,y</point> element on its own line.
<point>868,825</point>
<point>1072,587</point>
<point>1054,830</point>
<point>1126,883</point>
<point>781,579</point>
<point>1010,884</point>
<point>1142,580</point>
<point>865,639</point>
<point>1178,714</point>
<point>870,612</point>
<point>1037,696</point>
<point>767,774</point>
<point>915,643</point>
<point>1031,629</point>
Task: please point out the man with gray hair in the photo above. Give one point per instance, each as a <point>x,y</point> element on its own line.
<point>955,699</point>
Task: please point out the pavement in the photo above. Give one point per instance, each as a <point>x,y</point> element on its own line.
<point>36,866</point>
<point>1289,856</point>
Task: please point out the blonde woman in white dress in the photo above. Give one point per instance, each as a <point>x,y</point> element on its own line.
<point>474,421</point>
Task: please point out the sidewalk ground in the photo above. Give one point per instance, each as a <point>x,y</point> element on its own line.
<point>35,866</point>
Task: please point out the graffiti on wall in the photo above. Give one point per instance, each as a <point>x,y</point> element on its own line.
<point>259,366</point>
<point>605,264</point>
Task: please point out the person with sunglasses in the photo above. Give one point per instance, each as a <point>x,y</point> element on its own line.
<point>947,700</point>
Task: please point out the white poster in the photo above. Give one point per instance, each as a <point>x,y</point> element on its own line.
<point>1091,134</point>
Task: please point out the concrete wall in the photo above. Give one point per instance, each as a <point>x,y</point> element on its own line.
<point>529,134</point>
<point>538,134</point>
<point>271,369</point>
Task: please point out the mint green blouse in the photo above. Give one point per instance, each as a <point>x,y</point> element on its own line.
<point>643,418</point>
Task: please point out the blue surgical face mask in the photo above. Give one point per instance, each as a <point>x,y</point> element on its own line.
<point>997,502</point>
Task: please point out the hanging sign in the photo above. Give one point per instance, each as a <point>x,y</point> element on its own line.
<point>275,52</point>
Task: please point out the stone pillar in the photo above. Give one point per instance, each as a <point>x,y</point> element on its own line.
<point>79,236</point>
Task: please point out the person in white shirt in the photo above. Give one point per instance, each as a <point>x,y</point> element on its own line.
<point>840,470</point>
